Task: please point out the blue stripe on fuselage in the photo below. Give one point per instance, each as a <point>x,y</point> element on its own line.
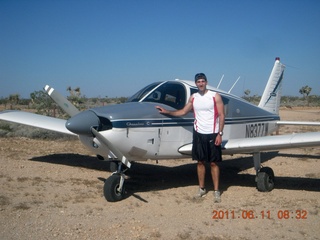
<point>177,122</point>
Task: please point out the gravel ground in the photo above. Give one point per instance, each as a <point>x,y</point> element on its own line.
<point>54,189</point>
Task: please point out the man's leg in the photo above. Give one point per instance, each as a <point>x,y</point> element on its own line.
<point>215,174</point>
<point>201,170</point>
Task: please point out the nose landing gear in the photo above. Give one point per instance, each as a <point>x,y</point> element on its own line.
<point>114,189</point>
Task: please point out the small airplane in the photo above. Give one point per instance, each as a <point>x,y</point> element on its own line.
<point>136,131</point>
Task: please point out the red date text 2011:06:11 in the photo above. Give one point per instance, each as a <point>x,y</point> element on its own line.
<point>264,214</point>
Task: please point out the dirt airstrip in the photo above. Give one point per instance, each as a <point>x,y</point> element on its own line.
<point>54,190</point>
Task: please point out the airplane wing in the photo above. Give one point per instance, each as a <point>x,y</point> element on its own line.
<point>268,143</point>
<point>36,120</point>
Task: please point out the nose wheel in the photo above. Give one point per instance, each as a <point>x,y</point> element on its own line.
<point>113,188</point>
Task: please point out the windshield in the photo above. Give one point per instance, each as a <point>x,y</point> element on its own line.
<point>170,93</point>
<point>141,93</point>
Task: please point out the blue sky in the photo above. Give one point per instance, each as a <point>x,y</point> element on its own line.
<point>114,48</point>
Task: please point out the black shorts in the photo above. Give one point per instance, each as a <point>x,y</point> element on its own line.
<point>204,149</point>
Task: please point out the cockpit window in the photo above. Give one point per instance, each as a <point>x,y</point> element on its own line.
<point>170,93</point>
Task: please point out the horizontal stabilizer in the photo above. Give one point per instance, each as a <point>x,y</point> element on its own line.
<point>36,120</point>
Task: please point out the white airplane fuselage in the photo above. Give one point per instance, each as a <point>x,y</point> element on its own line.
<point>140,132</point>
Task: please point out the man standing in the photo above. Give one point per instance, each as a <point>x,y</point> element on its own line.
<point>207,133</point>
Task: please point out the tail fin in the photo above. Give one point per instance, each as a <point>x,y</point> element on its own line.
<point>67,106</point>
<point>271,96</point>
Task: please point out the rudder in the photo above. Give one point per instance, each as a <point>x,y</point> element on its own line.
<point>270,100</point>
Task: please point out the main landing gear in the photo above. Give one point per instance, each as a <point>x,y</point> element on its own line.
<point>265,175</point>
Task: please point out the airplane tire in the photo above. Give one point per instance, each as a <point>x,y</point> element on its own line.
<point>265,179</point>
<point>110,189</point>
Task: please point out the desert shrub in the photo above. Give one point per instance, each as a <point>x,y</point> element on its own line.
<point>5,128</point>
<point>19,130</point>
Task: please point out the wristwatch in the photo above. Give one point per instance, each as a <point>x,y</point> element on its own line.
<point>220,133</point>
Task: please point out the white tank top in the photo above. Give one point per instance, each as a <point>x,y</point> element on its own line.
<point>205,113</point>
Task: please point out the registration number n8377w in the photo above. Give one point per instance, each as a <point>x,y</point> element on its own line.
<point>256,130</point>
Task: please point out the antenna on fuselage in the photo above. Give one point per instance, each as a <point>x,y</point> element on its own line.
<point>234,84</point>
<point>220,81</point>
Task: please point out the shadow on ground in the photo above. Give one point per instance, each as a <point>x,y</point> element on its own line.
<point>143,177</point>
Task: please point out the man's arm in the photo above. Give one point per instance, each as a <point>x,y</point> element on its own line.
<point>187,108</point>
<point>221,116</point>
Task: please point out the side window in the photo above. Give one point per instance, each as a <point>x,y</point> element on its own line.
<point>174,95</point>
<point>155,96</point>
<point>171,93</point>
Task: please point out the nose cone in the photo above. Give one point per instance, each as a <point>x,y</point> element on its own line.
<point>82,122</point>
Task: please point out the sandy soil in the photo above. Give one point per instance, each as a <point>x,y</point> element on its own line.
<point>54,190</point>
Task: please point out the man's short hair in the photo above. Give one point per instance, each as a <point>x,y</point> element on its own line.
<point>200,76</point>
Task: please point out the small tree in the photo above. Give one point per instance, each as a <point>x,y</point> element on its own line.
<point>14,99</point>
<point>246,95</point>
<point>75,97</point>
<point>42,103</point>
<point>305,91</point>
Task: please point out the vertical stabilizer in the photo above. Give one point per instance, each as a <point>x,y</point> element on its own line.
<point>270,99</point>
